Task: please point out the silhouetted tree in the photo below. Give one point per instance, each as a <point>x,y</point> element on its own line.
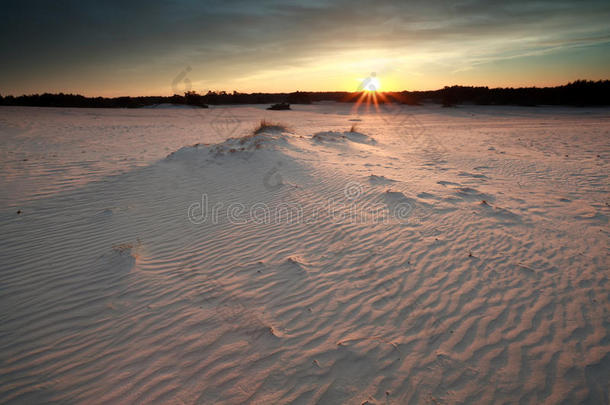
<point>298,97</point>
<point>193,98</point>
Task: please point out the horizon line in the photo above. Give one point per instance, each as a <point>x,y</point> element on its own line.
<point>206,91</point>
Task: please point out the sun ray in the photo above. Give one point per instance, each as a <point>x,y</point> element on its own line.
<point>374,97</point>
<point>358,102</point>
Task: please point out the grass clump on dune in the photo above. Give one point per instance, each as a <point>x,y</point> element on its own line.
<point>265,126</point>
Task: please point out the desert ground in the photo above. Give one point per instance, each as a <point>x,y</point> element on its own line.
<point>415,254</point>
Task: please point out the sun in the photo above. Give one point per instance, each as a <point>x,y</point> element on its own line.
<point>370,84</point>
<point>373,84</point>
<point>369,95</point>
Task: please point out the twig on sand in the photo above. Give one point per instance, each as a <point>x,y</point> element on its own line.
<point>526,267</point>
<point>379,338</point>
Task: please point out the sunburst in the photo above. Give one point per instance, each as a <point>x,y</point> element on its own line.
<point>369,94</point>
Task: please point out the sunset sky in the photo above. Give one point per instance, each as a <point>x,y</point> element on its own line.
<point>112,48</point>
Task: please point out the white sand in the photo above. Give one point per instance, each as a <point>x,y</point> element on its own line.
<point>392,282</point>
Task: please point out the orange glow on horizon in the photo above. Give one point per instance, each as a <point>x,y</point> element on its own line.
<point>368,98</point>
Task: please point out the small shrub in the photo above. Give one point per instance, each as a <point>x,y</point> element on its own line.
<point>268,126</point>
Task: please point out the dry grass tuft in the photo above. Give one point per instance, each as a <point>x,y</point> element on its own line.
<point>269,126</point>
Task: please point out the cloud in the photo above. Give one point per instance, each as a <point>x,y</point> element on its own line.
<point>241,38</point>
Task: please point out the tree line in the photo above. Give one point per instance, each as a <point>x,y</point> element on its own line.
<point>577,93</point>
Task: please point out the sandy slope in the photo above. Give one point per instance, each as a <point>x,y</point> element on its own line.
<point>328,266</point>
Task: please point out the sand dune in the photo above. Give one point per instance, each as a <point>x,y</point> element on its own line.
<point>438,257</point>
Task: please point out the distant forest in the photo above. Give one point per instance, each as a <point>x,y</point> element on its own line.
<point>578,93</point>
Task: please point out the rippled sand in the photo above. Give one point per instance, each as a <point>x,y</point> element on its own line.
<point>428,256</point>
